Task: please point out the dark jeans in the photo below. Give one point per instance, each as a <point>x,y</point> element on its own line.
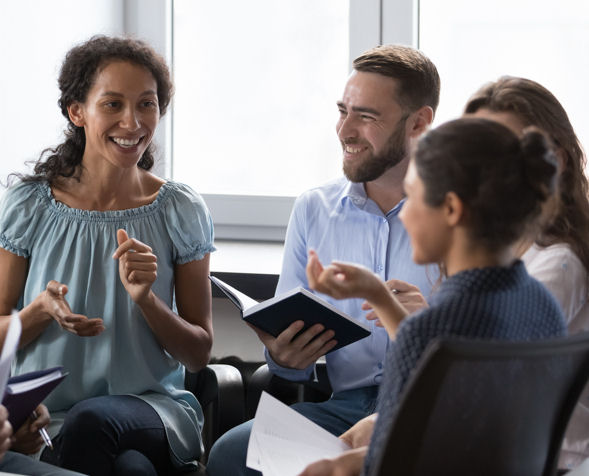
<point>111,435</point>
<point>21,464</point>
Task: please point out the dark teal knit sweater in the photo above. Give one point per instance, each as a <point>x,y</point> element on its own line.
<point>500,303</point>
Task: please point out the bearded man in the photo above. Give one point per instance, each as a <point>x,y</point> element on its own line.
<point>389,100</point>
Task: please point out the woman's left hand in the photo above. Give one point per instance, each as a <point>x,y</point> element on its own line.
<point>137,266</point>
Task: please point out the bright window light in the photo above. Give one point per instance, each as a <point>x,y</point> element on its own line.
<point>256,90</point>
<point>472,43</point>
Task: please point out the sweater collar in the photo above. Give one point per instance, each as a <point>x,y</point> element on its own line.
<point>492,278</point>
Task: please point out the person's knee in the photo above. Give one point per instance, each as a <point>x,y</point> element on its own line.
<point>83,420</point>
<point>133,463</point>
<point>229,453</point>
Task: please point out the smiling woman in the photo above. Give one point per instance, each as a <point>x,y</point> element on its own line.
<point>77,75</point>
<point>119,117</point>
<point>118,110</point>
<point>93,224</point>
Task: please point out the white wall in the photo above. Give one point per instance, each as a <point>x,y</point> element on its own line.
<point>231,335</point>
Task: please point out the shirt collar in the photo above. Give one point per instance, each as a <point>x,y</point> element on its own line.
<point>356,194</point>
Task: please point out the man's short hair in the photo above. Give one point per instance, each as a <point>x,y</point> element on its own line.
<point>417,77</point>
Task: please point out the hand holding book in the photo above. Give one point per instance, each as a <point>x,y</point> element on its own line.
<point>5,432</point>
<point>31,436</point>
<point>295,347</point>
<point>23,394</point>
<point>297,311</point>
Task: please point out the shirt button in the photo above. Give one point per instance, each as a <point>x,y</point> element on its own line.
<point>380,365</point>
<point>379,267</point>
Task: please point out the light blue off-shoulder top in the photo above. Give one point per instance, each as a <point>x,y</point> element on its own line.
<point>75,247</point>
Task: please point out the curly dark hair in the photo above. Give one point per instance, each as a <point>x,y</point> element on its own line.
<point>78,73</point>
<point>534,105</point>
<point>502,180</point>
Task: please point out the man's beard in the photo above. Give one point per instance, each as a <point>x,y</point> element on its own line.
<point>374,166</point>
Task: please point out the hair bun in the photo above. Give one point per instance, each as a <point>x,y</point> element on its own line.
<point>540,161</point>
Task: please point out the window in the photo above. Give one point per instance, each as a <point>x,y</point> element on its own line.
<point>289,130</point>
<point>254,108</point>
<point>256,92</point>
<point>34,41</point>
<point>254,111</point>
<point>542,40</point>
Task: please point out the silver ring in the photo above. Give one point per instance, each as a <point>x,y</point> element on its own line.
<point>395,291</point>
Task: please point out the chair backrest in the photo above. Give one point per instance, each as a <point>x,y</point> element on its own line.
<point>288,392</point>
<point>486,408</point>
<point>219,390</point>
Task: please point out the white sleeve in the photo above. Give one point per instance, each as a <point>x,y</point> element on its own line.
<point>559,269</point>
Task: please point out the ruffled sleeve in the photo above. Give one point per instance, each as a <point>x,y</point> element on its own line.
<point>19,216</point>
<point>189,223</point>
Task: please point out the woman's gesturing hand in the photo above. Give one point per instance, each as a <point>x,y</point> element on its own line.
<point>341,280</point>
<point>137,266</point>
<point>54,304</point>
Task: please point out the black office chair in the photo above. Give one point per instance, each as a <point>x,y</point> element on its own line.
<point>286,391</point>
<point>486,408</point>
<point>219,389</point>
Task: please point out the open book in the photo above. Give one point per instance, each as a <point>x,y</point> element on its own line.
<point>283,442</point>
<point>276,314</point>
<point>25,392</point>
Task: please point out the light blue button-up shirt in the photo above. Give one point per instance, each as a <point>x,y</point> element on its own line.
<point>340,222</point>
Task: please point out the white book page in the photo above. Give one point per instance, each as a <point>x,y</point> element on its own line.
<point>9,349</point>
<point>26,385</point>
<point>284,442</point>
<point>243,299</point>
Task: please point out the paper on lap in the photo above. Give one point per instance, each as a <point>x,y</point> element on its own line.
<point>283,442</point>
<point>582,470</point>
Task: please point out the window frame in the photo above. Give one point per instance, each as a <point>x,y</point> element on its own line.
<point>262,218</point>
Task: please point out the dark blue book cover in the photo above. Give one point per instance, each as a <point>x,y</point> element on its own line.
<point>276,314</point>
<point>25,392</point>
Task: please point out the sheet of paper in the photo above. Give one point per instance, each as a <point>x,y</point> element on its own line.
<point>283,442</point>
<point>582,470</point>
<point>8,350</point>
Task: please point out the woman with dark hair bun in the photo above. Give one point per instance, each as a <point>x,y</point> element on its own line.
<point>472,188</point>
<point>108,265</point>
<point>556,253</point>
